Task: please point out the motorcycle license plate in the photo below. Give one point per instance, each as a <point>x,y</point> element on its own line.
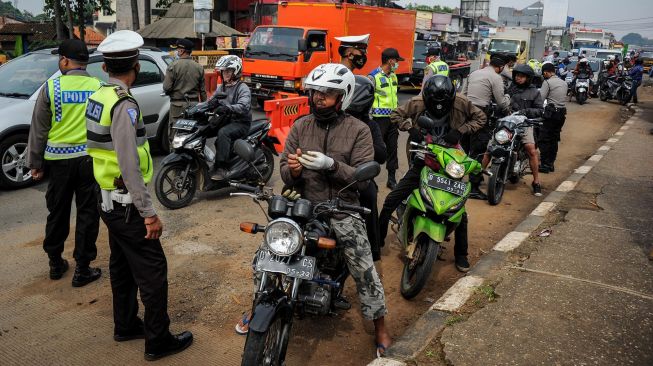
<point>299,266</point>
<point>184,124</point>
<point>445,184</point>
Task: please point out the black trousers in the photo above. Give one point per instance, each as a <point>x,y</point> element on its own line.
<point>368,199</point>
<point>477,146</point>
<point>390,134</point>
<point>548,138</point>
<point>67,178</point>
<point>137,264</point>
<point>404,188</point>
<point>226,137</point>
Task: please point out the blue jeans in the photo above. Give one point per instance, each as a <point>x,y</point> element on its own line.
<point>633,90</point>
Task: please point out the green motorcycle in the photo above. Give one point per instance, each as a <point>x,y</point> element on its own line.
<point>434,210</point>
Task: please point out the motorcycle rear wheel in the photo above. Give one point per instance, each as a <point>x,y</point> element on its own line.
<point>172,175</point>
<point>496,184</point>
<point>265,348</point>
<point>425,255</point>
<point>603,95</point>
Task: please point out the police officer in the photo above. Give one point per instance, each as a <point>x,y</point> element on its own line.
<point>554,91</point>
<point>435,65</point>
<point>184,80</point>
<point>483,87</point>
<point>58,136</point>
<point>353,51</point>
<point>386,87</point>
<point>122,165</point>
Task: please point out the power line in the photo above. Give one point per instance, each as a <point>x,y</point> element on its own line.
<point>617,21</point>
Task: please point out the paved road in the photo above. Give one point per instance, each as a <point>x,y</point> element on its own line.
<point>46,322</point>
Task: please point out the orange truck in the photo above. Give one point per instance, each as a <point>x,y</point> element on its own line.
<point>278,57</point>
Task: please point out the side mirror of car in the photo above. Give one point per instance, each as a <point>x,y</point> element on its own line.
<point>302,45</point>
<point>244,150</point>
<point>367,171</point>
<point>425,123</point>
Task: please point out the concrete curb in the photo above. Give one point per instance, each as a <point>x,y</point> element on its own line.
<point>418,336</point>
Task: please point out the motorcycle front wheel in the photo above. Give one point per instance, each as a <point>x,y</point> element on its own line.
<point>624,97</point>
<point>603,95</point>
<point>418,270</point>
<point>170,188</point>
<point>496,184</point>
<point>266,348</point>
<point>581,98</point>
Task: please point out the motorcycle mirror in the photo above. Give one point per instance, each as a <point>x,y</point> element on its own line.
<point>367,171</point>
<point>244,150</point>
<point>425,123</point>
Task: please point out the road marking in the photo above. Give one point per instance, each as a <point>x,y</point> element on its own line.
<point>595,158</point>
<point>543,208</point>
<point>612,140</point>
<point>511,241</point>
<point>618,133</point>
<point>457,294</point>
<point>604,148</point>
<point>624,128</point>
<point>583,169</point>
<point>566,186</point>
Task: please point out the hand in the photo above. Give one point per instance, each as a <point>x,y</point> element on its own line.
<point>452,137</point>
<point>223,109</point>
<point>37,174</point>
<point>154,227</point>
<point>315,160</point>
<point>291,194</point>
<point>294,164</point>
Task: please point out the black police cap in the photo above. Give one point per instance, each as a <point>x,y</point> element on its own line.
<point>389,53</point>
<point>73,49</point>
<point>185,44</point>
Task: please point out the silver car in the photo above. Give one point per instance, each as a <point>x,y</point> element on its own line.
<point>21,81</point>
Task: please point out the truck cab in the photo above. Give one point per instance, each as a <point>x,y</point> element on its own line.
<point>516,47</point>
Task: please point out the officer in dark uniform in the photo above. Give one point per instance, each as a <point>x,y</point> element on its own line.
<point>57,141</point>
<point>122,166</point>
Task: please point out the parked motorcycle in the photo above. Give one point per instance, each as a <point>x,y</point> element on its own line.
<point>188,167</point>
<point>509,159</point>
<point>617,88</point>
<point>434,210</point>
<point>299,268</point>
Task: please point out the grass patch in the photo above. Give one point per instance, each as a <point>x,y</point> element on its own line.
<point>488,292</point>
<point>454,319</point>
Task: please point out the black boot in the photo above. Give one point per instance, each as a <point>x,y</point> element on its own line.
<point>57,268</point>
<point>392,180</point>
<point>476,192</point>
<point>136,332</point>
<point>85,275</point>
<point>176,344</point>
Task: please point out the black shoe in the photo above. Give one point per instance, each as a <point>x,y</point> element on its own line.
<point>137,332</point>
<point>341,303</point>
<point>544,169</point>
<point>58,268</point>
<point>537,189</point>
<point>219,174</point>
<point>552,168</point>
<point>477,194</point>
<point>177,344</point>
<point>462,264</point>
<point>392,181</point>
<point>85,275</point>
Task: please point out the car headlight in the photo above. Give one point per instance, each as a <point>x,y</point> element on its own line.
<point>502,136</point>
<point>289,84</point>
<point>283,237</point>
<point>425,194</point>
<point>455,170</point>
<point>178,140</point>
<point>247,79</point>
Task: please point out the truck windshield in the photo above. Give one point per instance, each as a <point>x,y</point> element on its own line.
<point>504,45</point>
<point>274,43</point>
<point>22,76</point>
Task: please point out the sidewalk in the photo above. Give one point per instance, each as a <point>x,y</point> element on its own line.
<point>584,294</point>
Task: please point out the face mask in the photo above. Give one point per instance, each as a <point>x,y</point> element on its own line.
<point>395,66</point>
<point>359,61</point>
<point>325,115</point>
<point>177,57</point>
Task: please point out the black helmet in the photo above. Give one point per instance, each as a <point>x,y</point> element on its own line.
<point>363,97</point>
<point>438,94</point>
<point>525,70</point>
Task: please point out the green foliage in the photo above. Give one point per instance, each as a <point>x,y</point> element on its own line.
<point>7,9</point>
<point>434,8</point>
<point>636,39</point>
<point>488,292</point>
<point>454,319</point>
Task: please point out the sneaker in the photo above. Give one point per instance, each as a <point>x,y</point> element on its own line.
<point>58,268</point>
<point>462,264</point>
<point>85,275</point>
<point>537,189</point>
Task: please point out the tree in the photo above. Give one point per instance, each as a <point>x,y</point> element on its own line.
<point>77,12</point>
<point>71,24</point>
<point>135,20</point>
<point>147,4</point>
<point>636,38</point>
<point>57,19</point>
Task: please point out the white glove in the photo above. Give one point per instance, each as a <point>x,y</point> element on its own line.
<point>315,160</point>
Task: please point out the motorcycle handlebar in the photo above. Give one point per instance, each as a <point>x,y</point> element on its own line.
<point>244,187</point>
<point>354,208</point>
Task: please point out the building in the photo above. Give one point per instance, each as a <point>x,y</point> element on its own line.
<point>105,23</point>
<point>20,38</point>
<point>91,37</point>
<point>529,17</point>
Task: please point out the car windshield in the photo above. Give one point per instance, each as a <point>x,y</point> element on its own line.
<point>24,75</point>
<point>273,43</point>
<point>504,45</point>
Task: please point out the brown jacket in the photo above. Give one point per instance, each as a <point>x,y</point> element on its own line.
<point>466,117</point>
<point>185,76</point>
<point>347,140</point>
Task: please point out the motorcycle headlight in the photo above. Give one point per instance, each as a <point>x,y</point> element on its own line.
<point>502,136</point>
<point>178,140</point>
<point>283,237</point>
<point>425,194</point>
<point>193,144</point>
<point>289,84</point>
<point>455,170</point>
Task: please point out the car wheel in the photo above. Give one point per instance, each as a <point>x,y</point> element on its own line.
<point>13,159</point>
<point>163,139</point>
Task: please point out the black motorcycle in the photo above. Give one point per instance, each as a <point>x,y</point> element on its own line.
<point>617,88</point>
<point>299,268</point>
<point>509,159</point>
<point>188,167</point>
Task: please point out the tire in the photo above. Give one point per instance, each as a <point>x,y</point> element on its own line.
<point>496,186</point>
<point>623,98</point>
<point>174,182</point>
<point>13,159</point>
<point>603,95</point>
<point>269,159</point>
<point>413,280</point>
<point>163,137</point>
<point>580,98</point>
<point>260,102</point>
<point>265,348</point>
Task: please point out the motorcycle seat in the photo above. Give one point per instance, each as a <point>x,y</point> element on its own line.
<point>257,125</point>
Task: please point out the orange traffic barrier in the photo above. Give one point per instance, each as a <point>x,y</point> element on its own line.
<point>211,81</point>
<point>282,113</point>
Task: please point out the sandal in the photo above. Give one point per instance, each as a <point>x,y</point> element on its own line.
<point>380,350</point>
<point>242,327</point>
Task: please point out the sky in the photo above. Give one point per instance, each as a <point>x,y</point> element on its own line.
<point>590,11</point>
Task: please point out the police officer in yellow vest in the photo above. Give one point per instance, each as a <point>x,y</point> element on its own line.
<point>435,66</point>
<point>122,165</point>
<point>57,142</point>
<point>385,101</point>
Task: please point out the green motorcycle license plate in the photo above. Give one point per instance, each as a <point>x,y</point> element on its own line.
<point>448,185</point>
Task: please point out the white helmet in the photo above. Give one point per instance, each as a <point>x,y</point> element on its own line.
<point>611,57</point>
<point>583,60</point>
<point>230,62</point>
<point>332,77</point>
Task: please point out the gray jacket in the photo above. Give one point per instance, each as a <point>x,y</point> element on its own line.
<point>526,100</point>
<point>239,101</point>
